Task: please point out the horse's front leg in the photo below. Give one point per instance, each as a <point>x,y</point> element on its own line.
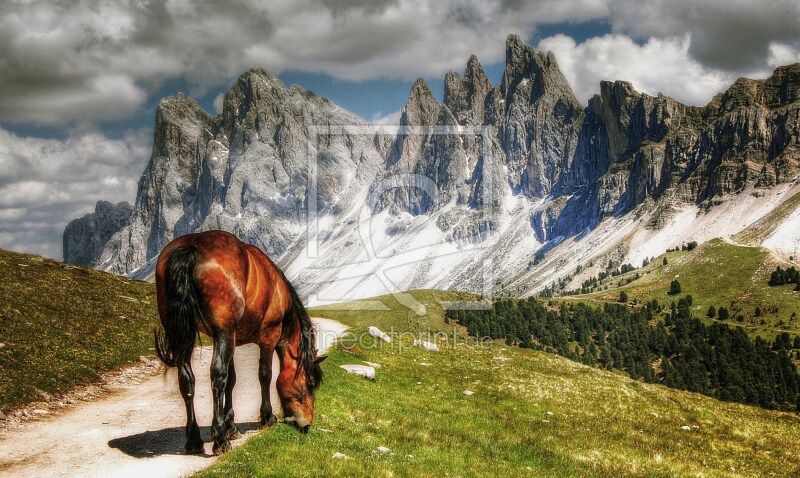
<point>194,444</point>
<point>220,362</point>
<point>265,378</point>
<point>231,430</point>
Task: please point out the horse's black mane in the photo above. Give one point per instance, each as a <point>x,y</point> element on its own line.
<point>306,351</point>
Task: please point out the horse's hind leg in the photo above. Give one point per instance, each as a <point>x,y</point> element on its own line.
<point>223,355</point>
<point>231,430</point>
<point>194,444</point>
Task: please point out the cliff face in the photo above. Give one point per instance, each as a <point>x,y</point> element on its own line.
<point>521,166</point>
<point>246,171</point>
<point>86,237</point>
<point>540,123</point>
<point>635,149</point>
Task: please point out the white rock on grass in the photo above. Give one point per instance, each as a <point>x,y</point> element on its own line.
<point>426,345</point>
<point>378,334</point>
<point>341,456</point>
<point>362,370</point>
<point>374,365</point>
<point>468,392</point>
<point>383,449</point>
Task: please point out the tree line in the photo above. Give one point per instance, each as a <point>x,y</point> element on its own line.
<point>679,352</point>
<point>782,276</point>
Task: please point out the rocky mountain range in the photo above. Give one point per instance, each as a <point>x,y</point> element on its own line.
<point>500,188</point>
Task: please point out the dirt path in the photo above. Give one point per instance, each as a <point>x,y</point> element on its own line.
<point>138,430</point>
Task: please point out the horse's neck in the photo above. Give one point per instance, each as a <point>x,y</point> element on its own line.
<point>291,332</point>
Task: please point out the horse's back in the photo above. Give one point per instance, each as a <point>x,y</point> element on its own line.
<point>240,287</point>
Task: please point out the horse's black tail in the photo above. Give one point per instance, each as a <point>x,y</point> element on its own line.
<point>174,344</point>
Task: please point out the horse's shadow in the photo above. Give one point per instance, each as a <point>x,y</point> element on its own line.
<point>168,441</point>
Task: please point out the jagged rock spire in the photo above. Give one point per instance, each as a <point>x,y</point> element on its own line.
<point>466,97</point>
<point>538,70</point>
<point>421,108</point>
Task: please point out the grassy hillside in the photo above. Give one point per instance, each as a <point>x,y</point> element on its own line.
<point>392,315</point>
<point>61,326</point>
<point>532,414</point>
<point>716,273</point>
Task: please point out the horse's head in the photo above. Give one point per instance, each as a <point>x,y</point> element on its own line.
<point>297,384</point>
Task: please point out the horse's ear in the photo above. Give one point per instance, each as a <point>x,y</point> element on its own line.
<point>319,360</point>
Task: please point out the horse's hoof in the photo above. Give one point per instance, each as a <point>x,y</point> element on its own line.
<point>220,448</point>
<point>272,420</point>
<point>194,448</point>
<point>233,433</point>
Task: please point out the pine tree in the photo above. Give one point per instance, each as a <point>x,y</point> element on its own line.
<point>712,312</point>
<point>674,287</point>
<point>623,297</point>
<point>665,262</point>
<point>723,313</point>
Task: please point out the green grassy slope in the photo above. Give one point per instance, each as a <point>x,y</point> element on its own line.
<point>392,315</point>
<point>716,273</point>
<point>61,326</point>
<point>532,414</point>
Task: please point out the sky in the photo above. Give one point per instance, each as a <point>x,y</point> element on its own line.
<point>81,79</point>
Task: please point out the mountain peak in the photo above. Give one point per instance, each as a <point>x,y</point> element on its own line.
<point>787,82</point>
<point>617,89</point>
<point>513,44</point>
<point>182,111</point>
<point>421,108</point>
<point>421,88</point>
<point>474,74</point>
<point>259,73</point>
<point>473,63</point>
<point>465,97</point>
<point>525,65</point>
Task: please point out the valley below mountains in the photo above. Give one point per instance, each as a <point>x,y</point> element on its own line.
<point>499,189</point>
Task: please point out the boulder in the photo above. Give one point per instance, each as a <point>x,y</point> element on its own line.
<point>362,370</point>
<point>426,345</point>
<point>378,334</point>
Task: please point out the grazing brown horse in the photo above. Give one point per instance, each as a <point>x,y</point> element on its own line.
<point>213,283</point>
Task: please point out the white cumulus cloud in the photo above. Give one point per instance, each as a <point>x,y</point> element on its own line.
<point>85,60</point>
<point>783,54</point>
<point>658,66</point>
<point>46,183</point>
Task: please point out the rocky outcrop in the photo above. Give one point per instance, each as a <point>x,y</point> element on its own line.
<point>168,203</point>
<point>431,162</point>
<point>540,122</point>
<point>246,170</point>
<point>86,237</point>
<point>466,97</point>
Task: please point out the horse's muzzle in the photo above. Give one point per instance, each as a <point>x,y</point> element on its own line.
<point>304,430</point>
